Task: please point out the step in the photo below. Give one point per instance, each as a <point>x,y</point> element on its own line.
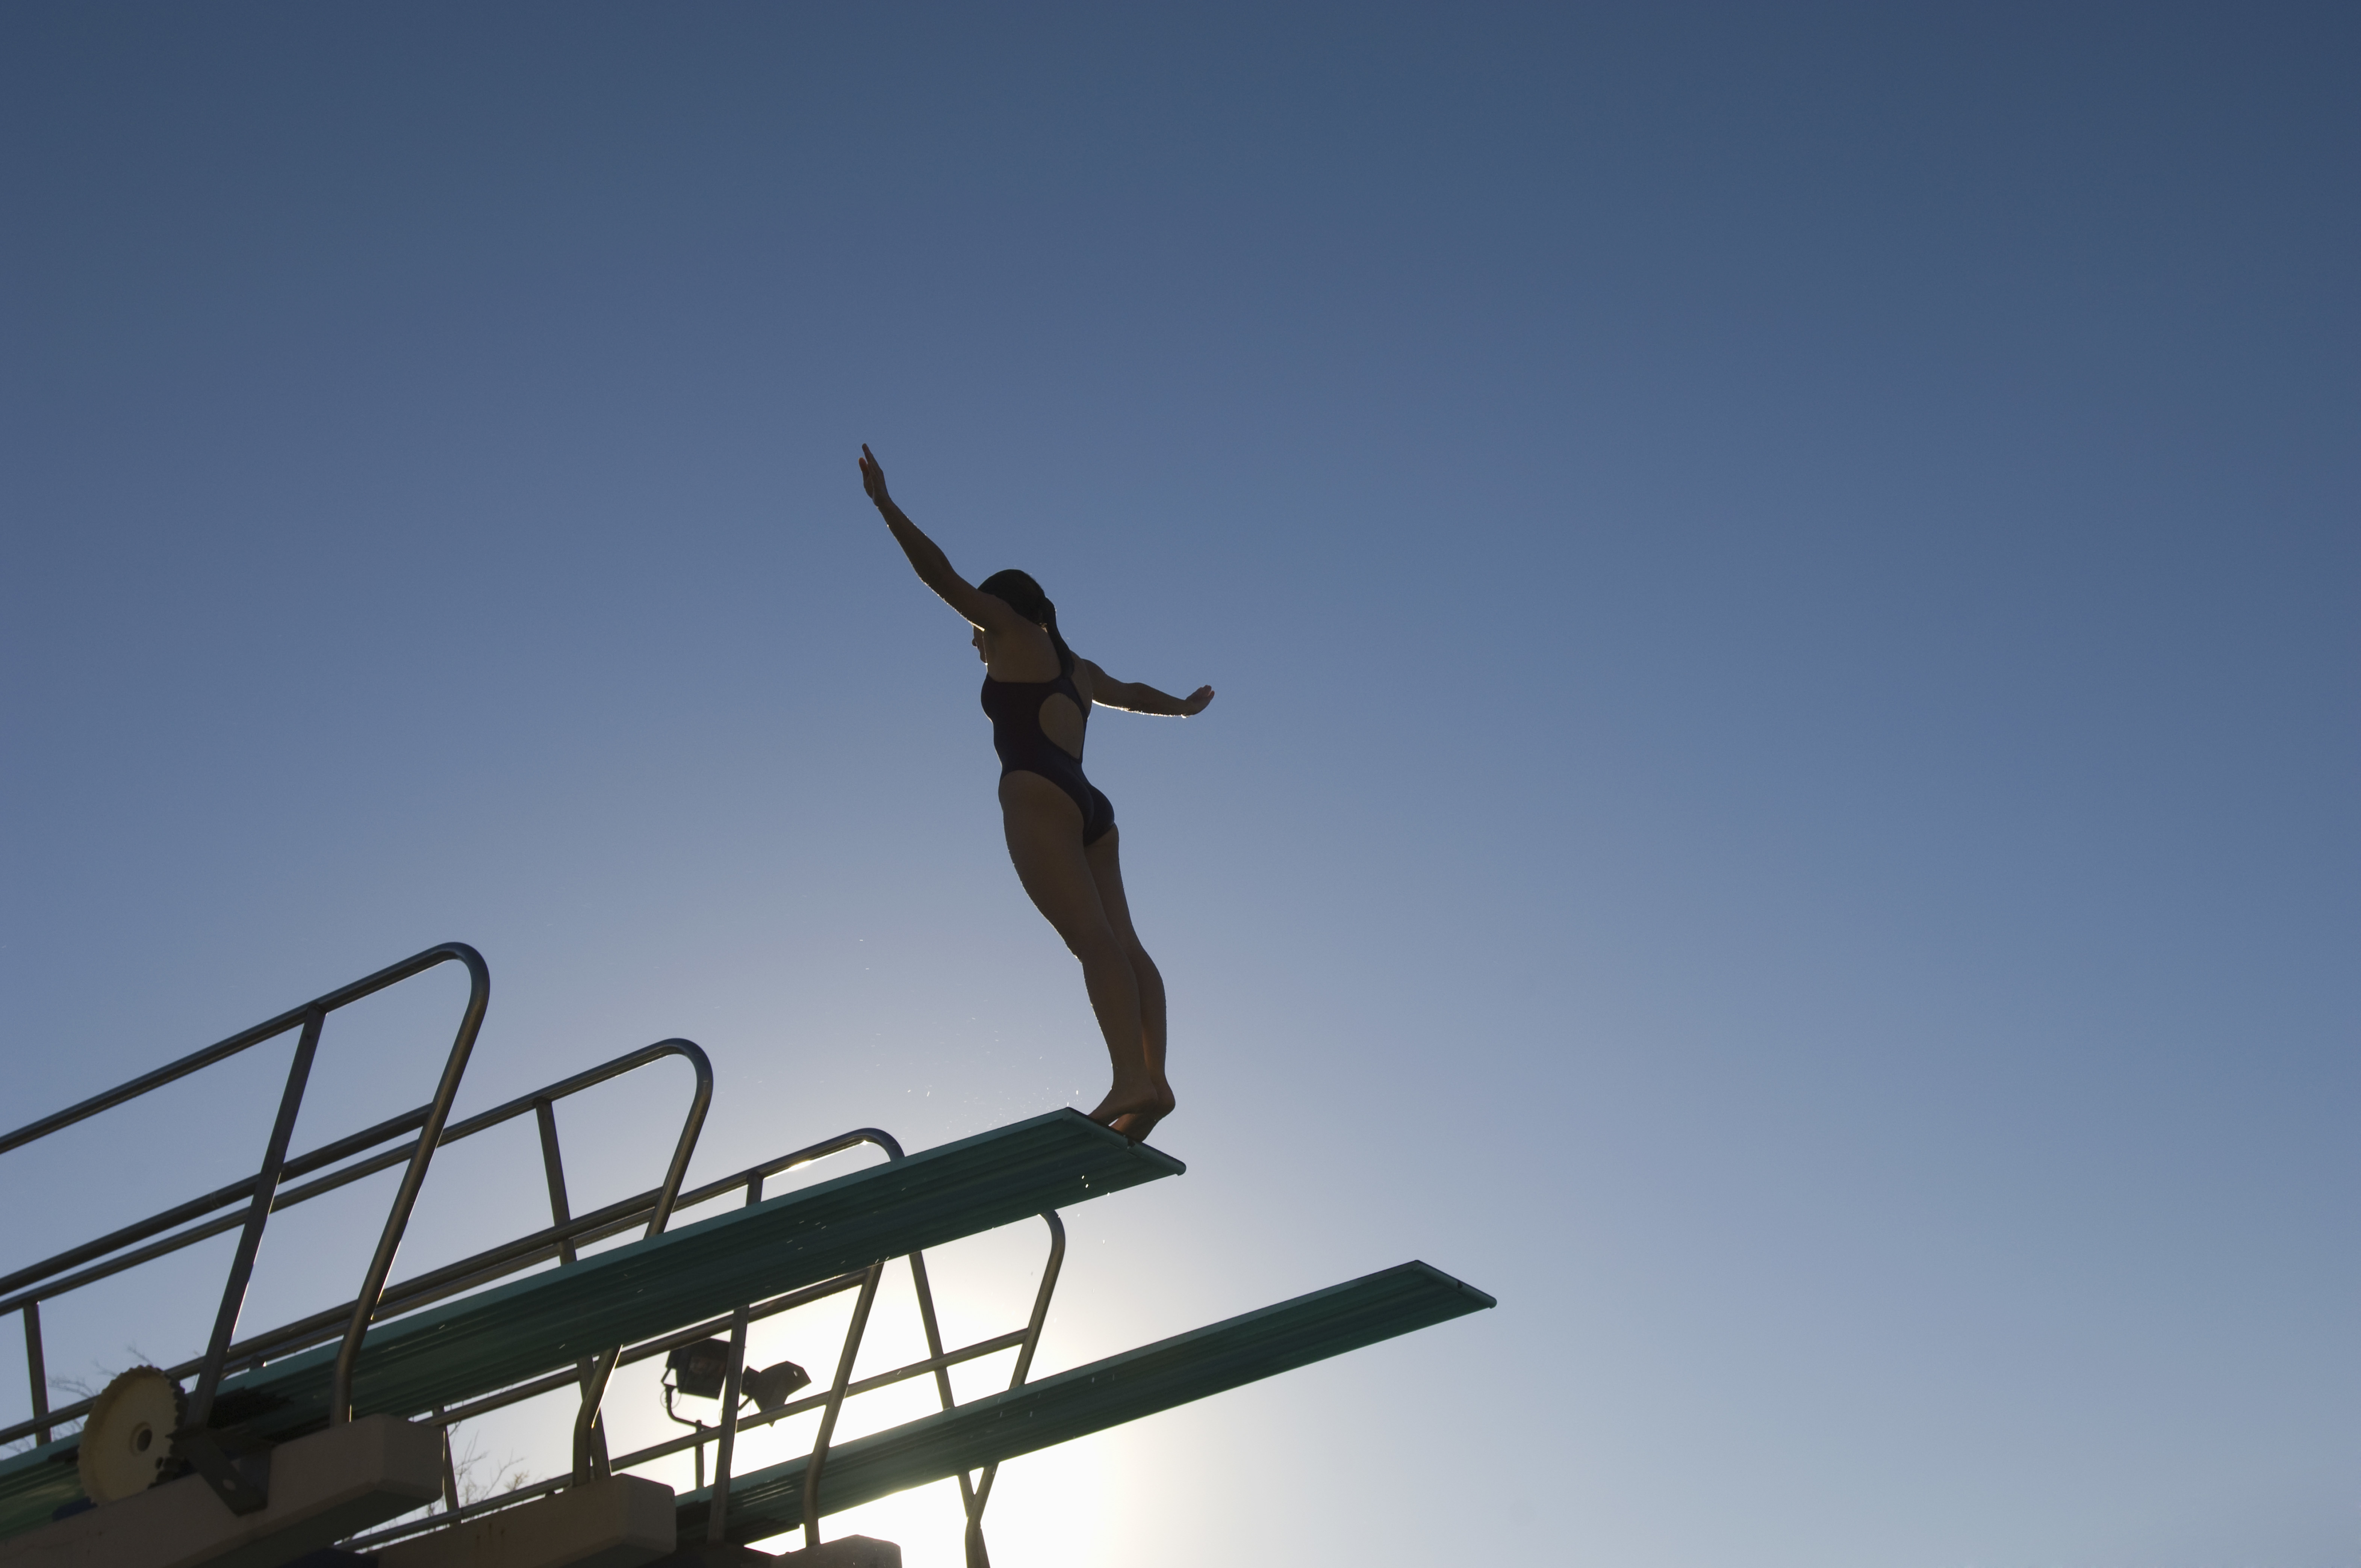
<point>621,1521</point>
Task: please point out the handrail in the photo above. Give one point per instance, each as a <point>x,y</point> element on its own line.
<point>420,1290</point>
<point>389,1241</point>
<point>236,1485</point>
<point>222,1050</point>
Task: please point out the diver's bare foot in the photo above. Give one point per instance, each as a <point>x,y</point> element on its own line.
<point>1134,1115</point>
<point>1138,1125</point>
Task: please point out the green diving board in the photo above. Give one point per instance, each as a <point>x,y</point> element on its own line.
<point>1091,1399</point>
<point>457,1350</point>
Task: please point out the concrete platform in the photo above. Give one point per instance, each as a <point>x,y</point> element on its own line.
<point>847,1552</point>
<point>619,1522</point>
<point>850,1551</point>
<point>322,1488</point>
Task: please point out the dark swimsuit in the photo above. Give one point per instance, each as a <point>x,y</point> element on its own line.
<point>1015,708</point>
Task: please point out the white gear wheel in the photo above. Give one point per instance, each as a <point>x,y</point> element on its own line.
<point>127,1440</point>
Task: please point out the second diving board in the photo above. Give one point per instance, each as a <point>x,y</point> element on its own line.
<point>1090,1398</point>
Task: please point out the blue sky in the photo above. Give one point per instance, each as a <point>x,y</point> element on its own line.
<point>1782,584</point>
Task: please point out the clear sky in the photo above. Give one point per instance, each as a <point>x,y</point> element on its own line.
<point>1781,583</point>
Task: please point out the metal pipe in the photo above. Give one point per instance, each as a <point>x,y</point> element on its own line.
<point>982,1347</point>
<point>300,1165</point>
<point>671,1446</point>
<point>222,1050</point>
<point>836,1403</point>
<point>449,1281</point>
<point>479,996</point>
<point>1017,1378</point>
<point>1041,1298</point>
<point>663,1343</point>
<point>37,1370</point>
<point>553,1167</point>
<point>266,1186</point>
<point>450,1475</point>
<point>700,1101</point>
<point>587,1439</point>
<point>725,1449</point>
<point>925,1295</point>
<point>614,1217</point>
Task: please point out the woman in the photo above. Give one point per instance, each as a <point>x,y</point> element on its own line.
<point>1061,830</point>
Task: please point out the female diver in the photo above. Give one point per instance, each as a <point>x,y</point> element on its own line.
<point>1061,830</point>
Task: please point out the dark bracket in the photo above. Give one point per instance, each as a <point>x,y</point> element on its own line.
<point>238,1467</point>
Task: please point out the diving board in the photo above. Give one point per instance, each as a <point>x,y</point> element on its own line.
<point>460,1349</point>
<point>1090,1398</point>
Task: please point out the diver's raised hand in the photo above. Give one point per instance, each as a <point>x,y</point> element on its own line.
<point>1196,702</point>
<point>873,477</point>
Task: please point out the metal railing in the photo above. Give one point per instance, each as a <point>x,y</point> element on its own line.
<point>246,1205</point>
<point>588,1463</point>
<point>264,1193</point>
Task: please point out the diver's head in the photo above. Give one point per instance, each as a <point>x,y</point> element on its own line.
<point>1020,592</point>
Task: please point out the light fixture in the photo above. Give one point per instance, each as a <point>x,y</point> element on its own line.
<point>771,1387</point>
<point>702,1369</point>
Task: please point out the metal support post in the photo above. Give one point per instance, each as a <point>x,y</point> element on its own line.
<point>716,1517</point>
<point>246,1489</point>
<point>836,1403</point>
<point>37,1370</point>
<point>389,1241</point>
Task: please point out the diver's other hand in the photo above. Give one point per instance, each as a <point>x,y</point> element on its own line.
<point>873,475</point>
<point>1196,702</point>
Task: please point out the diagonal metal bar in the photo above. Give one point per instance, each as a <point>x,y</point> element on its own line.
<point>397,1220</point>
<point>258,1213</point>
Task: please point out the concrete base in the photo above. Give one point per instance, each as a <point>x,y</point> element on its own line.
<point>846,1552</point>
<point>851,1552</point>
<point>619,1522</point>
<point>322,1488</point>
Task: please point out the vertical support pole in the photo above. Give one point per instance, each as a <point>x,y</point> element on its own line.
<point>976,1556</point>
<point>258,1213</point>
<point>561,1214</point>
<point>450,1475</point>
<point>37,1370</point>
<point>405,1197</point>
<point>836,1403</point>
<point>589,1439</point>
<point>553,1168</point>
<point>925,1292</point>
<point>717,1516</point>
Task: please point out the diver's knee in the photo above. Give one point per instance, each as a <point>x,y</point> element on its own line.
<point>1096,944</point>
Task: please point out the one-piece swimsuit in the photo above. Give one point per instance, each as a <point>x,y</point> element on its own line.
<point>1015,708</point>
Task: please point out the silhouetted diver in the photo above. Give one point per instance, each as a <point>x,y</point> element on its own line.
<point>1061,830</point>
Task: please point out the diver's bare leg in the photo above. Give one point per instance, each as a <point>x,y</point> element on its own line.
<point>1044,828</point>
<point>1107,869</point>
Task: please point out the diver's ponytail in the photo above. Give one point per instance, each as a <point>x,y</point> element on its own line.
<point>1049,625</point>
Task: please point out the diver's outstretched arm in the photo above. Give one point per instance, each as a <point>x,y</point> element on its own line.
<point>926,558</point>
<point>1134,697</point>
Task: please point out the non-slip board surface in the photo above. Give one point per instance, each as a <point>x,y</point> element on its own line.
<point>1090,1398</point>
